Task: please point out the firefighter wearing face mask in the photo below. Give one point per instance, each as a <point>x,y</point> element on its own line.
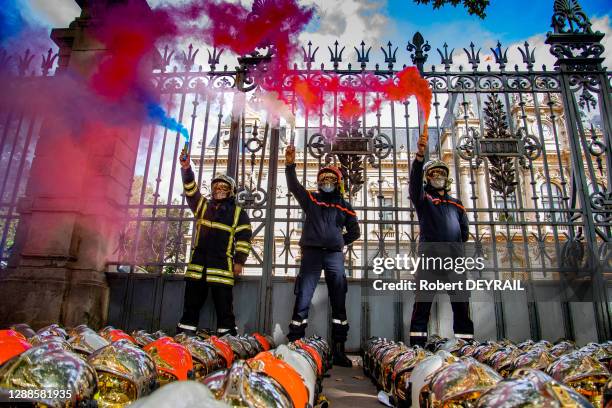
<point>329,226</point>
<point>222,245</point>
<point>442,219</point>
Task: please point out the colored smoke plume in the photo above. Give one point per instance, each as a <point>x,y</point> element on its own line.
<point>130,41</point>
<point>311,91</point>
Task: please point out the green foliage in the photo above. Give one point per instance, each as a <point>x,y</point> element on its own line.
<point>473,7</point>
<point>502,170</point>
<point>160,240</point>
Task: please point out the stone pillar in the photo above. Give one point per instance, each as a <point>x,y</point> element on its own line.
<point>69,230</point>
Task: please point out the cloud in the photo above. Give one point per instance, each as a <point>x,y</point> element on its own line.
<point>349,22</point>
<point>57,13</point>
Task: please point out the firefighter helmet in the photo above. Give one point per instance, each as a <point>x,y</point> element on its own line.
<point>226,179</point>
<point>532,388</point>
<point>173,360</point>
<point>242,386</point>
<point>461,383</point>
<point>54,367</point>
<point>336,171</point>
<point>11,345</point>
<point>87,341</point>
<point>116,335</point>
<point>24,329</point>
<point>438,164</point>
<point>125,373</point>
<point>284,374</point>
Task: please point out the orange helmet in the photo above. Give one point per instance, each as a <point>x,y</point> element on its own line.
<point>263,341</point>
<point>12,345</point>
<point>282,372</point>
<point>117,334</point>
<point>314,354</point>
<point>11,333</point>
<point>224,349</point>
<point>173,360</point>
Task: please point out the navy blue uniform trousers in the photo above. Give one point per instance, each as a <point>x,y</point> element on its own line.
<point>332,263</point>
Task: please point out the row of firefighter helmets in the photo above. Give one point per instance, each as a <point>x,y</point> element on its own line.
<point>110,368</point>
<point>460,373</point>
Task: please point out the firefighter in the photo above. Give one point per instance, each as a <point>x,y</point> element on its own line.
<point>442,218</point>
<point>323,239</point>
<point>222,245</point>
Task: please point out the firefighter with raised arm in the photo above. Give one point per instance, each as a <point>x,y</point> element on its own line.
<point>442,219</point>
<point>222,245</point>
<point>329,226</point>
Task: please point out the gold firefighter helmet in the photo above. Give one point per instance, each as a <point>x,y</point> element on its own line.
<point>49,366</point>
<point>583,373</point>
<point>226,179</point>
<point>438,164</point>
<point>125,373</point>
<point>462,383</point>
<point>242,386</point>
<point>530,388</point>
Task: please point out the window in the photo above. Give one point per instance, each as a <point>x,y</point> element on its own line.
<point>553,201</point>
<point>388,214</point>
<point>509,204</point>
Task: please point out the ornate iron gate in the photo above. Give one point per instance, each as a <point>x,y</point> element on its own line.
<point>529,149</point>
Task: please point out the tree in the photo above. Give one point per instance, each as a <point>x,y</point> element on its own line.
<point>474,7</point>
<point>161,240</point>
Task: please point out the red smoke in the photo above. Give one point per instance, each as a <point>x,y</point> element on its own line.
<point>129,34</point>
<point>350,107</point>
<point>311,91</point>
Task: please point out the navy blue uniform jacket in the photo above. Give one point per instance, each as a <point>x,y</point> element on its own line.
<point>441,218</point>
<point>327,214</point>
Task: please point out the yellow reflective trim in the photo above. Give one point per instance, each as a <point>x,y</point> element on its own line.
<point>192,274</point>
<point>195,267</point>
<point>217,225</point>
<point>189,186</point>
<point>244,243</point>
<point>190,193</point>
<point>215,271</point>
<point>202,199</point>
<point>230,241</point>
<point>236,216</point>
<point>243,250</point>
<point>216,279</point>
<point>243,227</point>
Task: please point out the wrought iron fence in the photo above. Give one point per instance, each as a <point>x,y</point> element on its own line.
<point>529,150</point>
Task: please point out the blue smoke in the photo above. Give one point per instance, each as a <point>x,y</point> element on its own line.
<point>11,20</point>
<point>157,114</point>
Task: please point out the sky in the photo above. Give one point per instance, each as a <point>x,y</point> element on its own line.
<point>378,21</point>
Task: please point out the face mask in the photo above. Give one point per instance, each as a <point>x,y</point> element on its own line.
<point>220,191</point>
<point>220,195</point>
<point>327,187</point>
<point>438,182</point>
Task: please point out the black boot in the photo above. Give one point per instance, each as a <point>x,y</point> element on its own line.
<point>340,358</point>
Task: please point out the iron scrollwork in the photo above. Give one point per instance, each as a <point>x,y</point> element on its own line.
<point>350,146</point>
<point>500,147</point>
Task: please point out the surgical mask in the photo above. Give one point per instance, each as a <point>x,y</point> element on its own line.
<point>438,182</point>
<point>327,187</point>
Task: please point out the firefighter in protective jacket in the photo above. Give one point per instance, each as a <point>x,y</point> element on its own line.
<point>222,245</point>
<point>323,239</point>
<point>442,219</point>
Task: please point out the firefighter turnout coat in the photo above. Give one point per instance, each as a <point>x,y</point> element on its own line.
<point>223,235</point>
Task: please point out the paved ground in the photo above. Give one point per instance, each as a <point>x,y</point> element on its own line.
<point>349,388</point>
